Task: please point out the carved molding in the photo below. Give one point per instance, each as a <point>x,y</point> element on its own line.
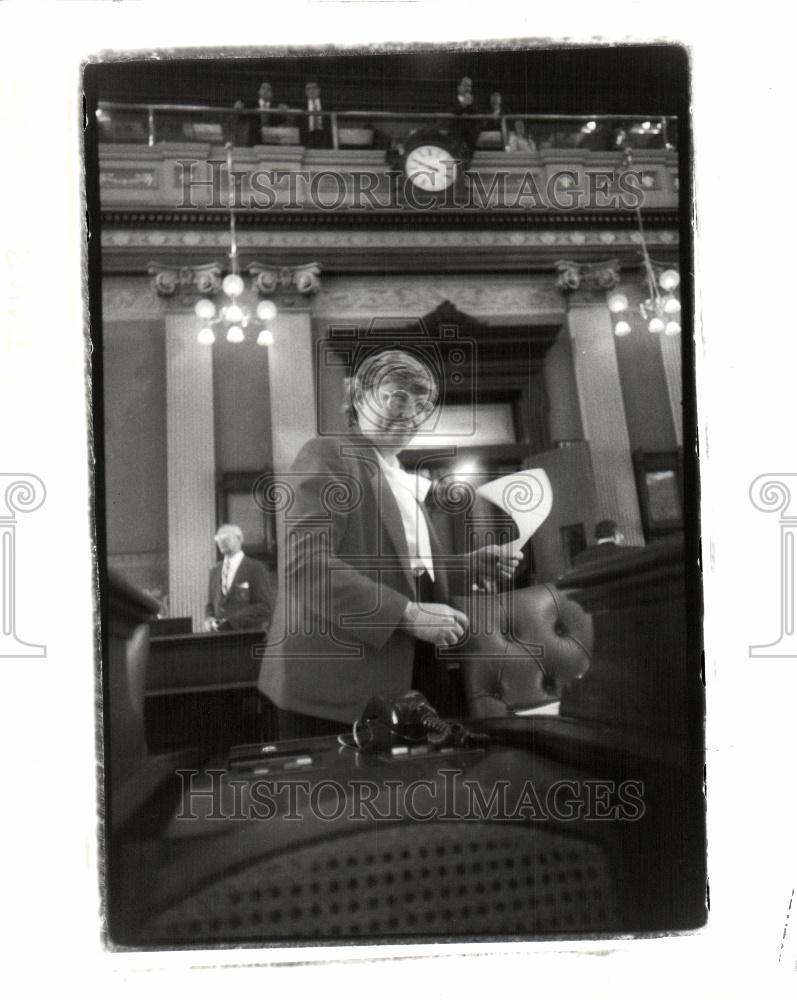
<point>130,303</point>
<point>129,178</point>
<point>387,239</point>
<point>135,299</point>
<point>163,217</point>
<point>170,278</point>
<point>270,278</point>
<point>374,297</point>
<point>600,276</point>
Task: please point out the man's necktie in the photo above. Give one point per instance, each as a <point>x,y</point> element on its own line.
<point>225,576</point>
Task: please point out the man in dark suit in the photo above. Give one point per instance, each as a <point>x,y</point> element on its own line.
<point>608,543</point>
<point>465,132</point>
<point>248,126</point>
<point>364,597</point>
<point>315,128</point>
<point>238,592</point>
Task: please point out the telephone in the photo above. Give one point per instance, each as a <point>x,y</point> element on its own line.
<point>410,720</point>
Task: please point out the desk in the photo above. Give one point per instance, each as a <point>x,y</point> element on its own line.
<point>202,691</point>
<point>315,842</point>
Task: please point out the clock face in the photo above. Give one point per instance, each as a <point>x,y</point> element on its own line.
<point>430,168</point>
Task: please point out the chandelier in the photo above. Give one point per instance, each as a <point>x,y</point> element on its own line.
<point>231,319</point>
<point>661,310</point>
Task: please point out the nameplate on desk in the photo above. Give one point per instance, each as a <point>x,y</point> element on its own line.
<point>552,708</point>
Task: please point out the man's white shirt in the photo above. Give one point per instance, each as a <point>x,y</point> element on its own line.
<point>232,562</point>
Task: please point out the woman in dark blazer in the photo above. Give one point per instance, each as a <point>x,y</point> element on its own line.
<point>364,589</point>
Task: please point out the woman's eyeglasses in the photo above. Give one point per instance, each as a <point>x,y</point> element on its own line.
<point>399,403</point>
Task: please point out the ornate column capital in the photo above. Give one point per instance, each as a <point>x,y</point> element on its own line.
<point>302,278</point>
<point>590,280</point>
<point>168,279</point>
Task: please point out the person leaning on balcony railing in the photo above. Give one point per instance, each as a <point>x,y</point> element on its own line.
<point>249,126</point>
<point>314,128</point>
<point>518,141</point>
<point>496,108</point>
<point>465,133</point>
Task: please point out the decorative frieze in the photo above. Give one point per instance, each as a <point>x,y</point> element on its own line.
<point>136,301</point>
<point>357,296</point>
<point>483,297</point>
<point>128,178</point>
<point>178,239</point>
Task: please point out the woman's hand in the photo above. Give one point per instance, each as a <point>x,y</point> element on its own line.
<point>436,623</point>
<point>494,564</point>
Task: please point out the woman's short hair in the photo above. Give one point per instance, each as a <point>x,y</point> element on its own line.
<point>402,370</point>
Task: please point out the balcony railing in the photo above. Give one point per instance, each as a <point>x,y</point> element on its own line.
<point>149,124</point>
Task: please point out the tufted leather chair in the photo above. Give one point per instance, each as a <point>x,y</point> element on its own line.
<point>524,647</point>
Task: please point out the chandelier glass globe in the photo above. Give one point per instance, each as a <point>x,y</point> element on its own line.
<point>617,303</point>
<point>669,280</point>
<point>233,285</point>
<point>266,310</point>
<point>205,309</point>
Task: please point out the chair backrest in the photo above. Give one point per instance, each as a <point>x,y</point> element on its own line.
<point>524,647</point>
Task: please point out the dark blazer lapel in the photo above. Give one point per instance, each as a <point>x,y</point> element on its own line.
<point>386,504</point>
<point>390,515</point>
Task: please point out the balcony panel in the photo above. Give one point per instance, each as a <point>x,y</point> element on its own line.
<point>193,175</point>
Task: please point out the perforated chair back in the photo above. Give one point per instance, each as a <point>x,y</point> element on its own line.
<point>414,879</point>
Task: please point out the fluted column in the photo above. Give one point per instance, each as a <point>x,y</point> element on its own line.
<point>191,463</point>
<point>292,389</point>
<point>671,356</point>
<point>291,374</point>
<point>600,393</point>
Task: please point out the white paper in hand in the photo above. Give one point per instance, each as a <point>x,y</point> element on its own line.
<point>526,496</point>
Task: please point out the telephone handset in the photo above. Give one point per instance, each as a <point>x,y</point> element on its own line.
<point>410,720</point>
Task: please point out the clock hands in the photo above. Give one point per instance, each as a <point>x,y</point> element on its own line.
<point>435,167</point>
